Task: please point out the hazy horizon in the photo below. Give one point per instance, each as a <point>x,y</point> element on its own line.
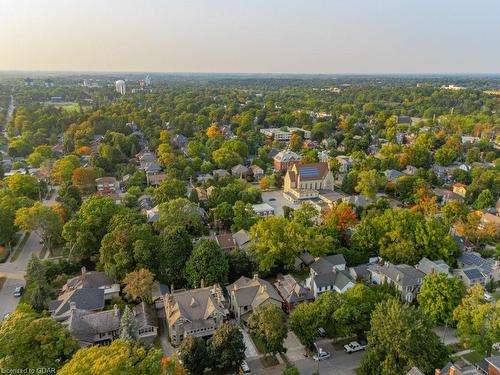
<point>358,37</point>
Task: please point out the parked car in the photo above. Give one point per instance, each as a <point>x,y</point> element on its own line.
<point>496,346</point>
<point>321,356</point>
<point>488,297</point>
<point>321,332</point>
<point>245,368</point>
<point>18,291</point>
<point>355,346</point>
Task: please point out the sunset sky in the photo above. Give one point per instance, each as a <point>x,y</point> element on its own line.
<point>264,36</point>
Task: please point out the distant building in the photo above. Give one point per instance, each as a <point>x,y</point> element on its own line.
<point>121,87</point>
<point>106,185</point>
<point>430,267</point>
<point>284,134</point>
<point>283,160</point>
<point>346,163</point>
<point>303,181</point>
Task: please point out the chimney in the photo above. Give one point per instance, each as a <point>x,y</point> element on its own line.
<point>116,310</point>
<point>72,306</point>
<point>452,370</point>
<point>84,270</point>
<point>255,276</point>
<point>437,372</point>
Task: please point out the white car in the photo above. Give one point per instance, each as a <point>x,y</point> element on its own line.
<point>321,356</point>
<point>245,368</point>
<point>488,297</point>
<point>355,346</point>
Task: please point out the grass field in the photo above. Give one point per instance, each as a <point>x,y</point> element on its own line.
<point>67,106</point>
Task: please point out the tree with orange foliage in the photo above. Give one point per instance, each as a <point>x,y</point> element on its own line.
<point>83,150</point>
<point>213,131</point>
<point>340,217</point>
<point>84,179</point>
<point>172,366</point>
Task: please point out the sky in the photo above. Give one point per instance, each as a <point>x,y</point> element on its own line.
<point>251,36</point>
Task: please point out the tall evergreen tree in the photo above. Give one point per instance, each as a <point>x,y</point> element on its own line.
<point>128,326</point>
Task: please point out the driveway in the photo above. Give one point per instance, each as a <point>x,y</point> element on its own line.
<point>295,351</point>
<point>250,349</point>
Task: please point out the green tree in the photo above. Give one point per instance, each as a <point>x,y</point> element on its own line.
<point>352,315</point>
<point>70,196</point>
<point>241,263</point>
<point>439,296</point>
<point>484,200</point>
<point>208,262</point>
<point>180,212</point>
<point>226,347</point>
<point>120,357</point>
<point>127,247</point>
<point>243,216</point>
<point>85,231</point>
<point>445,156</point>
<point>169,189</point>
<point>64,167</point>
<point>38,291</point>
<point>139,284</point>
<point>174,250</point>
<point>478,321</point>
<point>128,326</point>
<point>30,341</point>
<point>223,215</point>
<point>43,220</point>
<point>268,323</point>
<point>23,185</point>
<point>305,321</point>
<point>399,339</point>
<point>193,353</point>
<point>368,183</point>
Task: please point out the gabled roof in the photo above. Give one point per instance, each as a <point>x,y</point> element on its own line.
<point>401,274</point>
<point>253,292</point>
<point>292,290</point>
<point>286,156</point>
<point>472,258</point>
<point>89,279</point>
<point>336,278</point>
<point>326,264</point>
<point>428,266</point>
<point>225,240</point>
<point>84,299</point>
<point>242,237</point>
<point>86,325</point>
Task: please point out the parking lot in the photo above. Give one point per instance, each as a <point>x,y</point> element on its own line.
<point>277,201</point>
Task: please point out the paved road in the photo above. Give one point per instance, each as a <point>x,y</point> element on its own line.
<point>9,302</point>
<point>14,271</point>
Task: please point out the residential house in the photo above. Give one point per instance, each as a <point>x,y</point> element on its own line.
<point>303,181</point>
<point>346,163</point>
<point>410,170</point>
<point>444,196</point>
<point>204,177</point>
<point>242,238</point>
<point>469,139</point>
<point>292,292</point>
<point>283,160</point>
<point>303,260</point>
<point>90,299</point>
<point>93,279</point>
<point>220,173</point>
<point>470,276</point>
<point>263,209</point>
<point>493,365</point>
<point>225,241</point>
<point>392,175</point>
<point>179,141</point>
<point>329,274</point>
<point>239,170</point>
<point>360,273</point>
<point>284,134</point>
<point>460,189</point>
<point>257,171</point>
<point>156,178</point>
<point>145,202</point>
<point>201,194</point>
<point>195,312</point>
<point>430,267</point>
<point>91,328</point>
<point>158,292</point>
<point>106,185</point>
<point>489,267</point>
<point>488,220</point>
<point>245,295</point>
<point>357,200</point>
<point>407,279</point>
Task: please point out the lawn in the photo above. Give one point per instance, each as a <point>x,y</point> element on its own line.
<point>473,357</point>
<point>67,106</point>
<point>259,344</point>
